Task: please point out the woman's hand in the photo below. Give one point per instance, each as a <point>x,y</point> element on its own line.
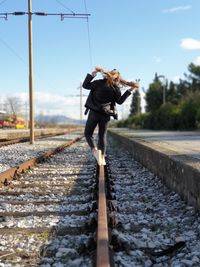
<point>133,85</point>
<point>94,73</point>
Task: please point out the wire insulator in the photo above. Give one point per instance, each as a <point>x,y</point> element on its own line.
<point>40,13</point>
<point>4,16</point>
<point>19,13</point>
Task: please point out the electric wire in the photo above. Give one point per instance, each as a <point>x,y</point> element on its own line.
<point>5,15</point>
<point>39,75</point>
<point>13,51</point>
<point>89,38</point>
<point>63,5</point>
<point>2,2</point>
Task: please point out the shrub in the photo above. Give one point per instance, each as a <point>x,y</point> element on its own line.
<point>168,117</point>
<point>198,118</point>
<point>189,111</point>
<point>185,116</point>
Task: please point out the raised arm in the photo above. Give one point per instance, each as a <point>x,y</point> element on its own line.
<point>123,97</point>
<point>87,83</point>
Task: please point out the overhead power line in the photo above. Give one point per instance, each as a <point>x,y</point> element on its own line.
<point>62,15</point>
<point>13,51</point>
<point>5,16</point>
<point>2,2</point>
<point>60,3</point>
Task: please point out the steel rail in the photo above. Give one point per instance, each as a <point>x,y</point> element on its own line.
<point>15,171</point>
<point>6,142</point>
<point>102,257</point>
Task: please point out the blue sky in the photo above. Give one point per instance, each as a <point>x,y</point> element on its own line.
<point>137,37</point>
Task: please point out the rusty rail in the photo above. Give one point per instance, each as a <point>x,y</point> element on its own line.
<point>13,172</point>
<point>102,257</point>
<point>6,142</point>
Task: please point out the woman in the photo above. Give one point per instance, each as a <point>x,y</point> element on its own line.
<point>104,94</point>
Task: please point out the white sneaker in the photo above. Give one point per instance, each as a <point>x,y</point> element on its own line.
<point>103,161</point>
<point>97,155</point>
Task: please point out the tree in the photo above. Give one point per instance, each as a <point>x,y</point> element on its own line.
<point>13,105</point>
<point>194,76</point>
<point>182,88</point>
<point>154,95</point>
<point>195,71</point>
<point>191,82</point>
<point>172,94</point>
<point>135,107</point>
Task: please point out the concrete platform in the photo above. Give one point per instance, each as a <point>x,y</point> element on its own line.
<point>172,156</point>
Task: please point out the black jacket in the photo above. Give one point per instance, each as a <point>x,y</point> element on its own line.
<point>100,94</point>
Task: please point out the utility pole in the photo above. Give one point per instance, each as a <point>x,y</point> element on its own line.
<point>138,103</point>
<point>31,101</point>
<point>30,14</point>
<point>164,94</point>
<point>164,87</point>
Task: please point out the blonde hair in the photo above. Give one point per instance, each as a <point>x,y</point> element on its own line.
<point>113,77</point>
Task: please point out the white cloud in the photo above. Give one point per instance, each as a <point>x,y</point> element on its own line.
<point>69,105</point>
<point>189,43</point>
<point>197,61</point>
<point>177,9</point>
<point>52,104</point>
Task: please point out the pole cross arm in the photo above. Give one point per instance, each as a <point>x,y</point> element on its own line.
<point>16,13</point>
<point>72,16</point>
<point>62,15</point>
<point>4,16</point>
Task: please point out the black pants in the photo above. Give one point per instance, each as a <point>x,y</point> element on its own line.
<point>94,119</point>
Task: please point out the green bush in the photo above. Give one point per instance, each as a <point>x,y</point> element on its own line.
<point>185,116</point>
<point>198,118</point>
<point>146,120</point>
<point>168,117</point>
<point>189,107</point>
<point>121,123</point>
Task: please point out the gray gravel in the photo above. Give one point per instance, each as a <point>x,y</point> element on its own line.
<point>13,155</point>
<point>151,218</point>
<point>66,177</point>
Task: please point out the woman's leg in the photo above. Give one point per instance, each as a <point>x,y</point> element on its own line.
<point>90,126</point>
<point>103,126</point>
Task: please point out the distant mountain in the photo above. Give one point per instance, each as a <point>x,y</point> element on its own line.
<point>57,119</point>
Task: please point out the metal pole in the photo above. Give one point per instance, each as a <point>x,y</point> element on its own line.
<point>81,98</point>
<point>138,103</point>
<point>164,97</point>
<point>163,87</point>
<point>31,107</point>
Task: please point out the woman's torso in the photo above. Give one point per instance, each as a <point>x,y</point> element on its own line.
<point>104,93</point>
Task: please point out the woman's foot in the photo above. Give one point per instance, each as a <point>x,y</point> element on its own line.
<point>103,161</point>
<point>97,155</point>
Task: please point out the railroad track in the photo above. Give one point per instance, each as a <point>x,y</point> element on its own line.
<point>49,216</point>
<point>11,141</point>
<point>15,154</point>
<point>46,216</point>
